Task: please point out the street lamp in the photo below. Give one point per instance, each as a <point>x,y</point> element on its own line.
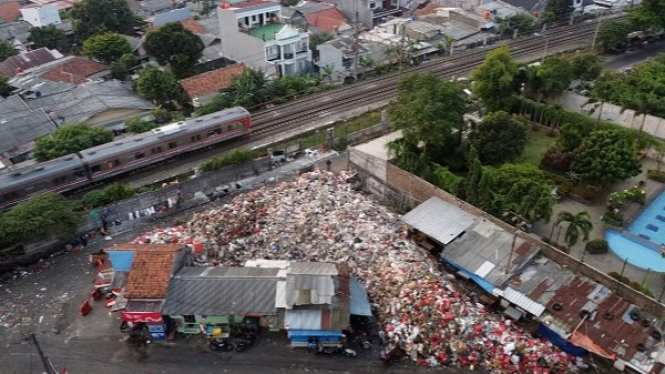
<point>520,224</point>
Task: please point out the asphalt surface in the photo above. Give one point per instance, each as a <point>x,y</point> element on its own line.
<point>628,59</point>
<point>53,291</point>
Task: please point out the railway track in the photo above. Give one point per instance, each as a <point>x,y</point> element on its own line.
<point>297,113</point>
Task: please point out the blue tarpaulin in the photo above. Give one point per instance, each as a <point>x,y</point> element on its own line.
<point>323,336</point>
<point>359,303</point>
<point>485,285</point>
<point>560,342</point>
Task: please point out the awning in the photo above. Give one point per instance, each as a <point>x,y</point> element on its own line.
<point>513,313</point>
<point>522,301</point>
<point>359,303</point>
<point>439,220</point>
<point>585,342</point>
<point>485,285</point>
<point>328,333</point>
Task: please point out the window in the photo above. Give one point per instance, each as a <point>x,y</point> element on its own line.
<point>79,173</point>
<point>173,145</point>
<point>59,180</point>
<point>253,18</point>
<point>96,168</point>
<point>189,318</point>
<point>139,155</point>
<point>231,127</point>
<point>156,150</point>
<point>212,133</point>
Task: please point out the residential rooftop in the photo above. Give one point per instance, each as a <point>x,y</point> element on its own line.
<point>267,32</point>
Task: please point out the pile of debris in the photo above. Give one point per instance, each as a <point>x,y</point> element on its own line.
<point>319,217</point>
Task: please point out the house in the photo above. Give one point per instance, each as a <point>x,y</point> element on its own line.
<point>141,274</point>
<point>208,30</point>
<point>44,15</point>
<point>371,12</point>
<point>202,88</point>
<point>317,17</point>
<point>160,12</point>
<point>340,56</point>
<point>499,9</point>
<point>77,70</point>
<point>61,4</point>
<point>28,60</point>
<point>104,104</point>
<point>18,32</point>
<point>10,11</point>
<point>252,34</point>
<point>20,126</point>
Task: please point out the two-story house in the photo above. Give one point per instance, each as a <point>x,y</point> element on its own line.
<point>251,33</point>
<point>372,12</point>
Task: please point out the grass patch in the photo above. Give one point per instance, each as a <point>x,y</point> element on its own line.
<point>537,143</point>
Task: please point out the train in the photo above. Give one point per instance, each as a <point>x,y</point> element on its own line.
<point>93,165</point>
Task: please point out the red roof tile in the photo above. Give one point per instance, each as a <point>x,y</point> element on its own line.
<point>25,61</point>
<point>328,20</point>
<point>212,81</point>
<point>75,71</point>
<point>150,274</point>
<point>430,8</point>
<point>10,11</point>
<point>193,26</point>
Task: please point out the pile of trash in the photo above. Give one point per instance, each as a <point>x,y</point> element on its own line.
<point>319,217</point>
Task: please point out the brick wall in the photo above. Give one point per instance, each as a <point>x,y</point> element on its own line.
<point>405,191</point>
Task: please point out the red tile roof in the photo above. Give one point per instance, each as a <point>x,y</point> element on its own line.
<point>430,8</point>
<point>193,26</point>
<point>328,20</point>
<point>10,11</point>
<point>75,71</point>
<point>150,274</point>
<point>24,61</point>
<point>212,81</point>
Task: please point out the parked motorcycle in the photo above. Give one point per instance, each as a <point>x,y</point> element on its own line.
<point>221,345</point>
<point>250,340</point>
<point>336,350</point>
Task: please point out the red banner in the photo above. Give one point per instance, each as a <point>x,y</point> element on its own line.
<point>147,317</point>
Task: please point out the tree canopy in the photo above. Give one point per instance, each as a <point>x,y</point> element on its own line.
<point>159,86</point>
<point>427,110</point>
<point>499,138</point>
<point>558,10</point>
<point>174,45</point>
<point>587,66</point>
<point>493,79</point>
<point>650,14</point>
<point>520,22</point>
<point>49,37</point>
<point>549,79</point>
<point>518,188</point>
<point>7,49</point>
<point>107,47</point>
<point>606,156</point>
<point>612,34</point>
<point>48,213</point>
<point>137,125</point>
<point>578,224</point>
<point>92,17</point>
<point>70,139</point>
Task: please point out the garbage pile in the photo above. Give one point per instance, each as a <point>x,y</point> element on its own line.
<point>319,217</point>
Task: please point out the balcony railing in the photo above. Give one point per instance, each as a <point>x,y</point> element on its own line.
<point>385,12</point>
<point>288,55</point>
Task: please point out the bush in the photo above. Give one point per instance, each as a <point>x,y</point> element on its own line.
<point>546,240</point>
<point>657,175</point>
<point>561,247</point>
<point>635,285</point>
<point>237,157</point>
<point>597,246</point>
<point>619,277</point>
<point>612,218</point>
<point>112,193</point>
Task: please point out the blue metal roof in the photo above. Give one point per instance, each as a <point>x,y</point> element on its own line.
<point>314,333</point>
<point>359,303</point>
<point>485,285</point>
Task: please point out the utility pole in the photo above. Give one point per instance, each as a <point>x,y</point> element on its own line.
<point>521,222</point>
<point>45,361</point>
<point>595,33</point>
<point>547,42</point>
<point>357,58</point>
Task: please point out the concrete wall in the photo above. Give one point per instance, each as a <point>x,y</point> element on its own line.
<point>241,47</point>
<point>405,191</point>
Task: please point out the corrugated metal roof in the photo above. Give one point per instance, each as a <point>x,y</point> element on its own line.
<point>226,272</point>
<point>439,220</point>
<point>314,268</point>
<point>303,319</point>
<point>280,295</point>
<point>304,289</point>
<point>379,147</point>
<point>220,296</point>
<point>523,301</point>
<point>359,304</point>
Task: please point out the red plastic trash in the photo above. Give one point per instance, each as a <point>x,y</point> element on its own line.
<point>97,294</point>
<point>86,308</point>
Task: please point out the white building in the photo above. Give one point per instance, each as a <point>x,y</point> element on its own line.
<point>252,34</point>
<point>42,16</point>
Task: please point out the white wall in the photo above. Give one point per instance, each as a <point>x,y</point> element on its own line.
<point>329,55</point>
<point>241,47</point>
<point>43,16</point>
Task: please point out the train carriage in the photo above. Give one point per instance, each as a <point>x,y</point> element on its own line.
<point>164,142</point>
<point>60,174</point>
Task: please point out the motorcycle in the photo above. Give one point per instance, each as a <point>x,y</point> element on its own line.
<point>221,345</point>
<point>250,340</point>
<point>336,350</point>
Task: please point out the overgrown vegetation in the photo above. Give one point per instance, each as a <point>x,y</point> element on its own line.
<point>108,195</point>
<point>237,157</point>
<point>70,139</point>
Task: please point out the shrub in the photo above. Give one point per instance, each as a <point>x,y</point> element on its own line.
<point>645,290</point>
<point>112,193</point>
<point>597,246</point>
<point>556,159</point>
<point>237,157</point>
<point>635,285</point>
<point>561,247</point>
<point>657,175</point>
<point>619,277</point>
<point>546,240</point>
<point>613,218</point>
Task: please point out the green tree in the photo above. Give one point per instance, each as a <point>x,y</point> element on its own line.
<point>137,125</point>
<point>587,66</point>
<point>174,45</point>
<point>650,14</point>
<point>552,77</point>
<point>519,188</point>
<point>612,34</point>
<point>520,22</point>
<point>366,61</point>
<point>5,87</point>
<point>445,179</point>
<point>49,37</point>
<point>122,68</point>
<point>602,92</point>
<point>159,86</point>
<point>427,110</point>
<point>558,10</point>
<point>7,49</point>
<point>578,224</point>
<point>499,138</point>
<point>107,47</point>
<point>643,104</point>
<point>448,44</point>
<point>92,17</point>
<point>606,156</point>
<point>319,38</point>
<point>493,80</point>
<point>207,7</point>
<point>70,139</point>
<point>41,215</point>
<point>474,176</point>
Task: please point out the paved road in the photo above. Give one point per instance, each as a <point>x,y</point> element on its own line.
<point>628,59</point>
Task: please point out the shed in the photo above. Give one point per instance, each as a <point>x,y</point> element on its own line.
<point>439,220</point>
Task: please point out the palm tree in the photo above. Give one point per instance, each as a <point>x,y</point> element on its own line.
<point>328,71</point>
<point>448,43</point>
<point>366,61</point>
<point>579,223</point>
<point>7,49</point>
<point>320,38</point>
<point>643,104</point>
<point>603,91</point>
